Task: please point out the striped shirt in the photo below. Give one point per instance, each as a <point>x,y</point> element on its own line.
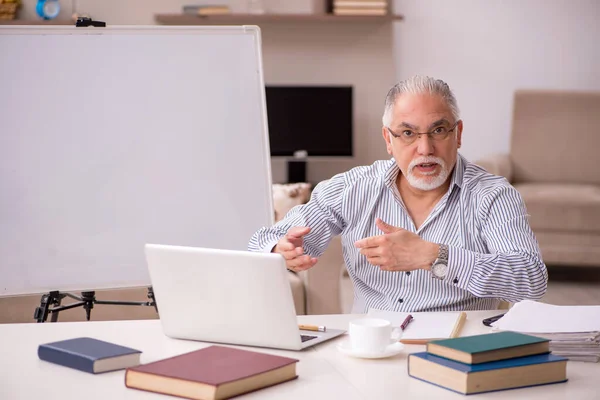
<point>493,253</point>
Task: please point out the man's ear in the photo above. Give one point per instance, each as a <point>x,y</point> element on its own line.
<point>459,129</point>
<point>388,140</point>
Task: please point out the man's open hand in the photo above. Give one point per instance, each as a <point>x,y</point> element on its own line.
<point>291,248</point>
<point>397,249</point>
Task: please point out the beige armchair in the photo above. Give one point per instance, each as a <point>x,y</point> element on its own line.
<point>316,291</point>
<point>325,281</point>
<point>553,163</point>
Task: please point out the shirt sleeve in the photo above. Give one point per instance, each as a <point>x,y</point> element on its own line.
<point>322,213</point>
<point>512,268</point>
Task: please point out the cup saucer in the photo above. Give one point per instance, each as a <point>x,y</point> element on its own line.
<point>346,348</point>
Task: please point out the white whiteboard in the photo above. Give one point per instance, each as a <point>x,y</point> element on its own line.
<point>114,137</point>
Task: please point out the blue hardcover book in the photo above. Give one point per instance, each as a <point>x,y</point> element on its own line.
<point>539,369</point>
<point>89,355</point>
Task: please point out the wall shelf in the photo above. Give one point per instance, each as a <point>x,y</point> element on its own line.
<point>36,22</point>
<point>253,19</point>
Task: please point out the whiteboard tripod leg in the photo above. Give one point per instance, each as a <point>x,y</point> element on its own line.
<point>86,300</point>
<point>53,298</point>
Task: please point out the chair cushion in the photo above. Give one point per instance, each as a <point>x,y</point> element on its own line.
<point>287,196</point>
<point>562,207</point>
<point>570,248</point>
<point>555,136</point>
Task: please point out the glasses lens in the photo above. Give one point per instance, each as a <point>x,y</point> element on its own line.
<point>439,133</point>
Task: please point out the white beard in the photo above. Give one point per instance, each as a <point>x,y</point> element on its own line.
<point>432,181</point>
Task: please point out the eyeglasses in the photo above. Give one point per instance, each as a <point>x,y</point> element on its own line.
<point>438,134</point>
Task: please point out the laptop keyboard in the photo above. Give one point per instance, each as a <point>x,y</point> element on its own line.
<point>307,337</point>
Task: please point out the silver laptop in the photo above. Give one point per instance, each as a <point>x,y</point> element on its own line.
<point>227,296</point>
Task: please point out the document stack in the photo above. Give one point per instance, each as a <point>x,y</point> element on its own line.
<point>360,7</point>
<point>573,331</point>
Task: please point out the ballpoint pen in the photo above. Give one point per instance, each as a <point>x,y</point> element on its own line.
<point>407,321</point>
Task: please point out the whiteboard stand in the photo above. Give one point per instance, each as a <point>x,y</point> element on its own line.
<point>163,162</point>
<point>86,300</point>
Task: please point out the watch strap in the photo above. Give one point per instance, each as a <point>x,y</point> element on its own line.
<point>441,260</point>
<point>442,254</point>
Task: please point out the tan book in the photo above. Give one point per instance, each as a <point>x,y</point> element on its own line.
<point>386,2</point>
<point>212,373</point>
<point>359,11</point>
<point>360,4</point>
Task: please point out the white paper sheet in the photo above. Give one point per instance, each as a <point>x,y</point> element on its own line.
<point>533,317</point>
<point>425,325</point>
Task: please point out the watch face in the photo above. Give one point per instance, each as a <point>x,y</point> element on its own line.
<point>439,270</point>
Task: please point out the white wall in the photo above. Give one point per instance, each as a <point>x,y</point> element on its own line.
<point>486,49</point>
<point>483,49</point>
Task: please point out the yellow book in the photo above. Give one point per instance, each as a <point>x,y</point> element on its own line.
<point>360,11</point>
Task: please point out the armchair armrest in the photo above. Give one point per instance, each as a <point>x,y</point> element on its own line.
<point>497,164</point>
<point>323,281</point>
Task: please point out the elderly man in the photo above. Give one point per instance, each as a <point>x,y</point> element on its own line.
<point>424,231</point>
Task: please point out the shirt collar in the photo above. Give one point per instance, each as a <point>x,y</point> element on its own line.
<point>391,173</point>
<point>458,172</point>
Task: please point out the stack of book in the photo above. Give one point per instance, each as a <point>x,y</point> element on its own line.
<point>490,362</point>
<point>360,7</point>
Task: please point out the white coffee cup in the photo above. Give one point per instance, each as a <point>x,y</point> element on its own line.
<point>370,335</point>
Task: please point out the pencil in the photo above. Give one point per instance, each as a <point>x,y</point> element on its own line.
<point>312,328</point>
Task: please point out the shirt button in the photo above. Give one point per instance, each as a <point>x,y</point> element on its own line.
<point>455,280</point>
<point>407,273</point>
<point>400,301</point>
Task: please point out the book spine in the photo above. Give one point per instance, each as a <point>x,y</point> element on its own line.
<point>66,359</point>
<point>359,4</point>
<point>412,375</point>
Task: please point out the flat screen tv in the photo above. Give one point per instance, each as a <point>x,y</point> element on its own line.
<point>314,119</point>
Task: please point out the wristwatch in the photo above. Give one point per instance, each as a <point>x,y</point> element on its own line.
<point>439,268</point>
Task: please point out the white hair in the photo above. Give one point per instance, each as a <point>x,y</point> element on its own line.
<point>419,85</point>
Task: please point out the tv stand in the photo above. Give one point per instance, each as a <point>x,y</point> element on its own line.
<point>296,170</point>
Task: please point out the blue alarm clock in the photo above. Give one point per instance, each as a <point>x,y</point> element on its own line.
<point>47,9</point>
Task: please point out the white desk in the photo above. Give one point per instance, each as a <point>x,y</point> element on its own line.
<point>324,373</point>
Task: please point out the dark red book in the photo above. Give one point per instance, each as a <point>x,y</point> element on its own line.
<point>215,372</point>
